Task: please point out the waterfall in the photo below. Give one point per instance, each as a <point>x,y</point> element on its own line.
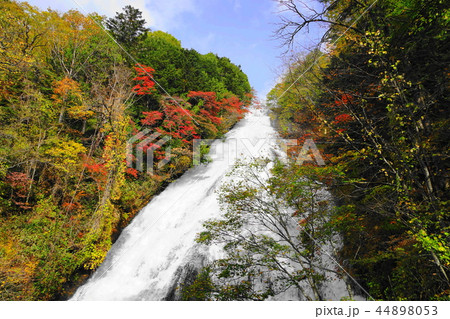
<point>150,252</point>
<point>157,250</point>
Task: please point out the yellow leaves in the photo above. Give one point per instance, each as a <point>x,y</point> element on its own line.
<point>64,154</point>
<point>19,38</point>
<point>80,112</point>
<point>96,258</point>
<point>68,94</point>
<point>16,269</point>
<point>72,28</point>
<point>72,39</point>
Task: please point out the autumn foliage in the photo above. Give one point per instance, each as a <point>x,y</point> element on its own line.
<point>146,84</point>
<point>69,101</point>
<point>370,103</point>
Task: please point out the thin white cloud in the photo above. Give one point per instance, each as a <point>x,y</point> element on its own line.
<point>160,15</point>
<point>167,15</point>
<point>106,8</point>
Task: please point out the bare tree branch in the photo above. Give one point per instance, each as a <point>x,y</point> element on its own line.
<point>289,27</point>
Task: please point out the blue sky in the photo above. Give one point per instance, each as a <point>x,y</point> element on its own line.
<point>239,29</point>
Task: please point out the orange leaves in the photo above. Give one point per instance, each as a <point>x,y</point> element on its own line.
<point>303,222</point>
<point>64,89</point>
<point>78,22</point>
<point>68,94</point>
<point>96,168</point>
<point>82,27</point>
<point>71,206</point>
<point>132,172</point>
<point>16,270</point>
<point>214,110</point>
<point>208,97</point>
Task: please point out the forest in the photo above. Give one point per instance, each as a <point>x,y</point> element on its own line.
<point>376,100</point>
<point>71,95</point>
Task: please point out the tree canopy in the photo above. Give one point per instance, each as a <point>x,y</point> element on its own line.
<point>376,100</point>
<point>127,27</point>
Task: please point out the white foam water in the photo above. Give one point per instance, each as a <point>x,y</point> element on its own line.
<point>146,260</point>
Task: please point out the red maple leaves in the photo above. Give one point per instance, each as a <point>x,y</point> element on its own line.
<point>210,107</point>
<point>204,116</point>
<point>145,74</point>
<point>342,118</point>
<point>151,118</point>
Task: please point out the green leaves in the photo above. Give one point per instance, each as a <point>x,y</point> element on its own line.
<point>379,101</point>
<point>127,27</point>
<point>273,227</point>
<point>180,70</point>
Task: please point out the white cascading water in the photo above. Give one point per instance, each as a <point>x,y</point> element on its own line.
<point>157,250</point>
